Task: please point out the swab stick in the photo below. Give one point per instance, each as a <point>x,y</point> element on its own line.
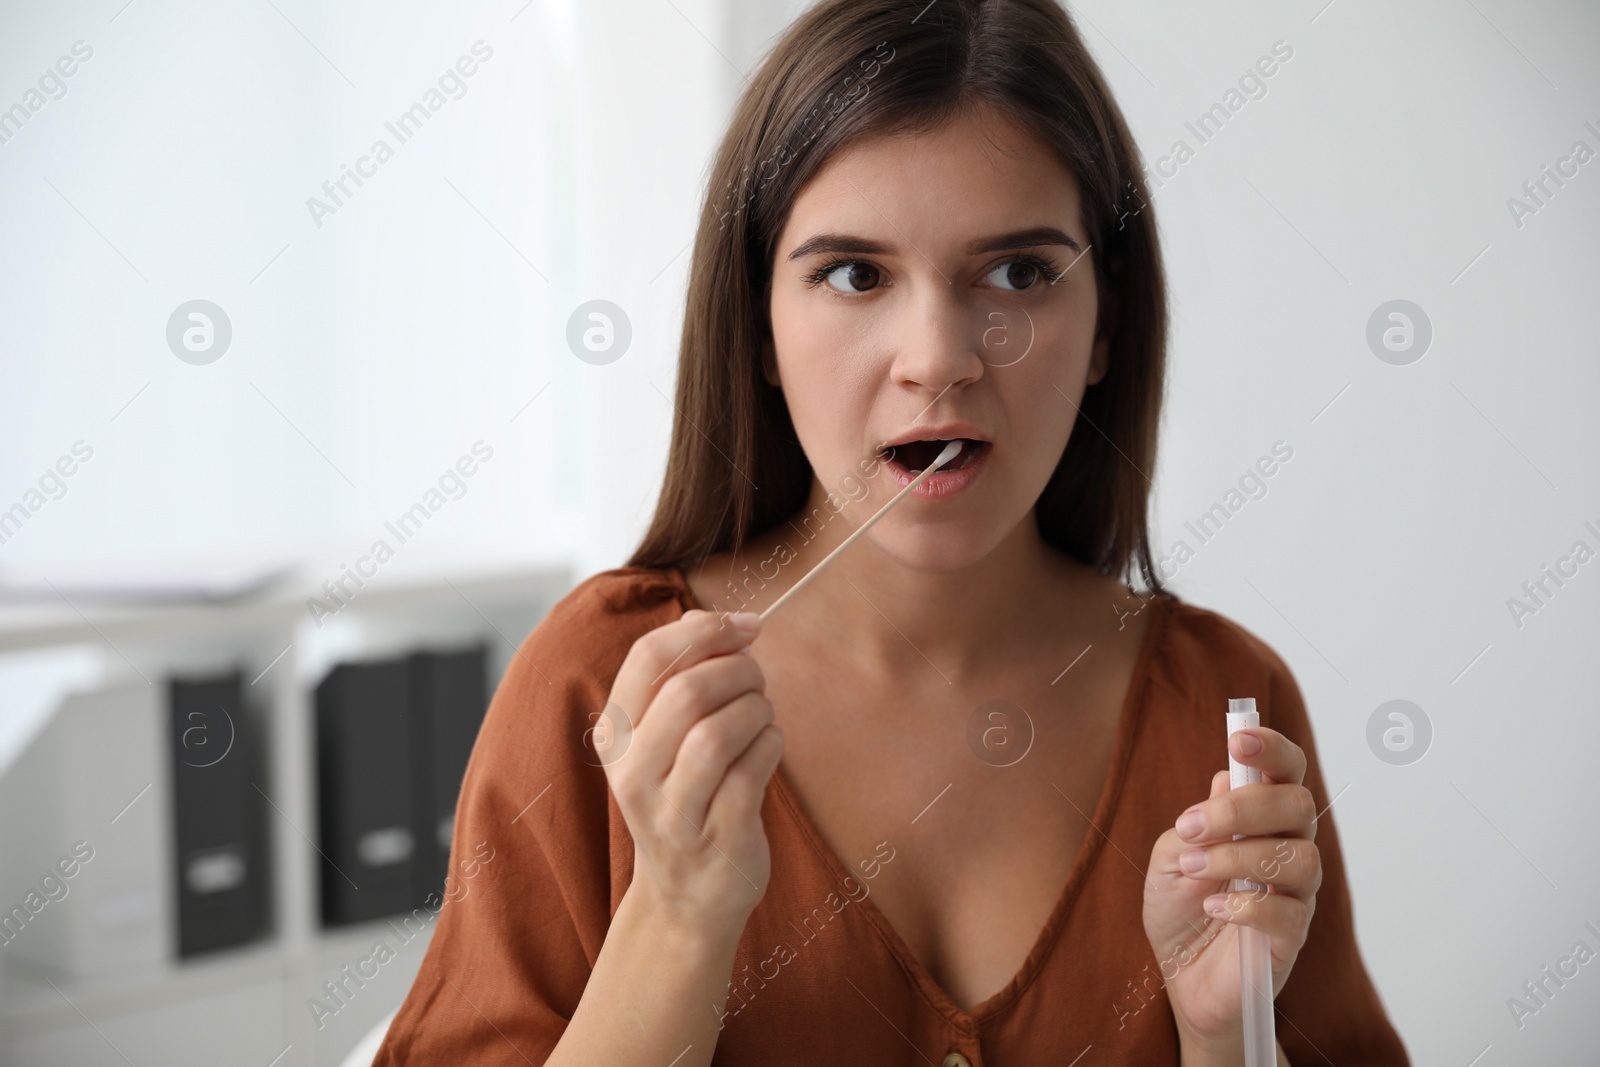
<point>949,452</point>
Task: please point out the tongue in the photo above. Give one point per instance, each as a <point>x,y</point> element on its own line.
<point>917,455</point>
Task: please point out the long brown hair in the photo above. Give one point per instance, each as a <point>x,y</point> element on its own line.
<point>848,70</point>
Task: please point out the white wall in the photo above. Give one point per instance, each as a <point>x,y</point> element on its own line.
<point>371,347</point>
<point>425,313</point>
<point>1377,167</point>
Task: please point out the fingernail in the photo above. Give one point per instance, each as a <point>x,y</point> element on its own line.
<point>1217,905</point>
<point>1192,825</point>
<point>1249,744</point>
<point>745,620</point>
<point>1193,860</point>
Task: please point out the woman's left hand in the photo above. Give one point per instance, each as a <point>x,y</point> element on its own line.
<point>1191,916</point>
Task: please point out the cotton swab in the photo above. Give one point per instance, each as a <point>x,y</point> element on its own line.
<point>949,452</point>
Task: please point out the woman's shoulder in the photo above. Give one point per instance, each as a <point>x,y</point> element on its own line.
<point>610,597</point>
<point>600,618</point>
<point>1202,659</point>
<point>1210,657</point>
<point>1198,629</point>
<point>557,680</point>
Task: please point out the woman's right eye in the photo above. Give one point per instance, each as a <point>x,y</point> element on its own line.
<point>851,276</point>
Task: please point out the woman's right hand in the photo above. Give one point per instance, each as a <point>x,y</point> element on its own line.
<point>688,749</point>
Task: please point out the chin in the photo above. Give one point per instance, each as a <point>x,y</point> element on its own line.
<point>938,546</point>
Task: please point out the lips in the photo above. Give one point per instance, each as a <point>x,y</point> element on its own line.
<point>944,431</point>
<point>909,460</point>
<point>915,449</point>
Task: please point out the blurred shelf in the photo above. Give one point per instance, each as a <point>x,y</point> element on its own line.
<point>254,1000</point>
<point>36,624</point>
<point>31,1004</point>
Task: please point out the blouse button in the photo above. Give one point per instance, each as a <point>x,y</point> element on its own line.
<point>956,1059</point>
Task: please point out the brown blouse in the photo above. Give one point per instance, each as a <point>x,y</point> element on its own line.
<point>820,975</point>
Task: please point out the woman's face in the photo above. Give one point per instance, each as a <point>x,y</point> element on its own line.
<point>931,287</point>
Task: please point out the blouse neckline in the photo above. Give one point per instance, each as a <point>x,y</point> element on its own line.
<point>1135,700</point>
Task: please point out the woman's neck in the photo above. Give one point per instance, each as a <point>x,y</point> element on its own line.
<point>892,619</point>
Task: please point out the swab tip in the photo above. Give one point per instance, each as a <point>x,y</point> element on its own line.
<point>948,453</point>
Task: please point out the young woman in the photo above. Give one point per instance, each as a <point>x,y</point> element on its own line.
<point>943,808</point>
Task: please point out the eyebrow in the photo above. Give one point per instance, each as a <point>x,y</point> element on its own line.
<point>851,245</point>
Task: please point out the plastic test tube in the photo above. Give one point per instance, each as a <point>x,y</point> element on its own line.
<point>1255,950</point>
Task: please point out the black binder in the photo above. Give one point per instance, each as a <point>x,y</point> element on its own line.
<point>449,690</point>
<point>393,737</point>
<point>219,829</point>
<point>364,773</point>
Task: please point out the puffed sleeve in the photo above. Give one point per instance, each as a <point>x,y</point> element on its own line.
<point>534,877</point>
<point>1329,1011</point>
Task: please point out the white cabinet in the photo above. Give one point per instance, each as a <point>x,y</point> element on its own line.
<point>256,1005</point>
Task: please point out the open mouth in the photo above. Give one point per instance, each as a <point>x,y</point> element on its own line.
<point>915,456</point>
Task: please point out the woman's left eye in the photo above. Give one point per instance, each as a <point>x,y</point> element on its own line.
<point>1023,273</point>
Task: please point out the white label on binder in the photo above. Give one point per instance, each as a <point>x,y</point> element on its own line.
<point>446,830</point>
<point>381,848</point>
<point>215,871</point>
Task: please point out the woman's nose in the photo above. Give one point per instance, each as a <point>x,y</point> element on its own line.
<point>939,342</point>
